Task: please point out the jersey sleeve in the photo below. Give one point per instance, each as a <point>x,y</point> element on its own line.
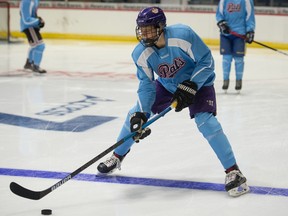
<point>220,11</point>
<point>250,16</point>
<point>146,89</point>
<point>203,73</point>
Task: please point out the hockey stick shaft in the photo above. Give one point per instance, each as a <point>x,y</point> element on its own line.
<point>264,45</point>
<point>36,195</point>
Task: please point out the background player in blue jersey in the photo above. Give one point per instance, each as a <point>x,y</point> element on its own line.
<point>184,68</point>
<point>237,16</point>
<point>30,24</point>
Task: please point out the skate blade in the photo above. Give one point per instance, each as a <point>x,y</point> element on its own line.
<point>100,174</point>
<point>108,173</point>
<point>38,74</point>
<point>27,70</point>
<point>238,191</point>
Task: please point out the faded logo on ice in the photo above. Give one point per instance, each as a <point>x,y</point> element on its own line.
<point>77,124</point>
<point>71,107</point>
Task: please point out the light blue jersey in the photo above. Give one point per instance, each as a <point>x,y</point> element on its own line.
<point>185,57</point>
<point>239,15</point>
<point>28,12</point>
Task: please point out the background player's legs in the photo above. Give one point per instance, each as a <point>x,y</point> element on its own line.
<point>30,55</point>
<point>226,51</point>
<point>37,53</point>
<point>239,46</point>
<point>36,50</point>
<point>239,68</point>
<point>29,62</point>
<point>226,65</point>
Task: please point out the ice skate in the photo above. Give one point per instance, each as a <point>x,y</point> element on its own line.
<point>110,165</point>
<point>235,183</point>
<point>238,86</point>
<point>28,65</point>
<point>37,69</point>
<point>225,85</point>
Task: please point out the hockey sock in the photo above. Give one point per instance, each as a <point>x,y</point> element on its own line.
<point>234,167</point>
<point>211,129</point>
<point>37,53</point>
<point>226,65</point>
<point>239,67</point>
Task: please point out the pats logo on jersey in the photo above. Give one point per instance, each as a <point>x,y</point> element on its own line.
<point>169,71</point>
<point>233,7</point>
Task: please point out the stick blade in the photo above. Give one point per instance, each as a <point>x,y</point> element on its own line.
<point>24,192</point>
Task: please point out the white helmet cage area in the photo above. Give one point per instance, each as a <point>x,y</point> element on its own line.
<point>151,22</point>
<point>149,35</point>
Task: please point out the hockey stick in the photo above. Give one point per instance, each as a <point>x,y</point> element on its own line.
<point>244,37</point>
<point>36,195</point>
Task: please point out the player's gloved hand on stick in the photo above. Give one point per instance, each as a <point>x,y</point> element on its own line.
<point>136,122</point>
<point>223,26</point>
<point>184,94</point>
<point>41,22</point>
<point>249,37</point>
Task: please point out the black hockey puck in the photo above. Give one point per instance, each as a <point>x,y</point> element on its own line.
<point>46,211</point>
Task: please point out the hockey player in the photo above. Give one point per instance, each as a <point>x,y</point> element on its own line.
<point>185,70</point>
<point>31,24</point>
<point>237,16</point>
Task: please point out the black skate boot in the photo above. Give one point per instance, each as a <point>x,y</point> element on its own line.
<point>37,69</point>
<point>111,164</point>
<point>28,65</point>
<point>235,183</point>
<point>238,86</point>
<point>225,85</point>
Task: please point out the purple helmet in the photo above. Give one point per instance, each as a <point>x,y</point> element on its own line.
<point>151,16</point>
<point>154,20</point>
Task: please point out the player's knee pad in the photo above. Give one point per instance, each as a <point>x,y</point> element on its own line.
<point>226,64</point>
<point>37,50</point>
<point>208,125</point>
<point>39,47</point>
<point>36,53</point>
<point>239,59</point>
<point>239,66</point>
<point>227,58</point>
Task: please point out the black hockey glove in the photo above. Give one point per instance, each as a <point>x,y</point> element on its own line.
<point>249,37</point>
<point>223,26</point>
<point>184,95</point>
<point>136,122</point>
<point>41,22</point>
